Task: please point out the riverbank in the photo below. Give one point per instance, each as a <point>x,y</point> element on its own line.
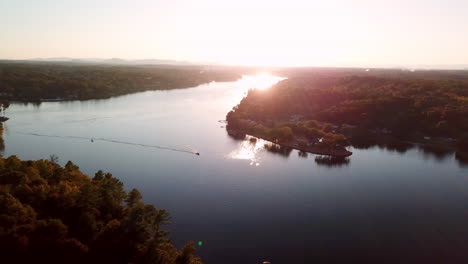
<point>56,82</point>
<point>295,143</point>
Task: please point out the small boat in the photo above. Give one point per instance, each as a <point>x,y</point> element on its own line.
<point>3,118</point>
<point>92,140</point>
<point>198,153</point>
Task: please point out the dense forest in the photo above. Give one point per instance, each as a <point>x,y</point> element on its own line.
<point>341,109</point>
<point>54,214</point>
<point>36,81</point>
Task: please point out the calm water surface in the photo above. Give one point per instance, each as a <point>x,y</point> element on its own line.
<point>247,204</point>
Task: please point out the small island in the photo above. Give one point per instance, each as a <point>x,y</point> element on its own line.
<point>327,112</point>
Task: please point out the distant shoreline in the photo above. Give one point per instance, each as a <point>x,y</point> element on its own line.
<point>56,82</point>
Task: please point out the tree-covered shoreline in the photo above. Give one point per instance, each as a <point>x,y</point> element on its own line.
<point>54,81</point>
<point>54,214</point>
<point>339,109</point>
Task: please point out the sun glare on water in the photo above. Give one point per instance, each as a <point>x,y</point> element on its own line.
<point>249,150</point>
<point>260,81</point>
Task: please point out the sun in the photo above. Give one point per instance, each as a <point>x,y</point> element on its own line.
<point>260,81</point>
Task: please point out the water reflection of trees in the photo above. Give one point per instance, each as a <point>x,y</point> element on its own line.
<point>302,154</point>
<point>330,161</point>
<point>398,146</point>
<point>392,145</point>
<point>434,152</point>
<point>278,149</point>
<point>428,151</point>
<point>462,159</point>
<point>35,104</point>
<point>2,142</point>
<point>401,147</point>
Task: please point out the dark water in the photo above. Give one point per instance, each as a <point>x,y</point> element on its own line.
<point>247,204</point>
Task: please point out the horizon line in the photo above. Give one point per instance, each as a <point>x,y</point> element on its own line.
<point>176,62</point>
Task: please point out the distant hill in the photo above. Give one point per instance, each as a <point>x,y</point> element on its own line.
<point>120,61</point>
<point>114,61</point>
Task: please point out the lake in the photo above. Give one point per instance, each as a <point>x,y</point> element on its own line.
<point>247,204</point>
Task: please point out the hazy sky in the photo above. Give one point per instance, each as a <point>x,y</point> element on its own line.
<point>292,32</point>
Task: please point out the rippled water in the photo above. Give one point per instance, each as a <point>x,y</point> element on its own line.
<point>246,203</point>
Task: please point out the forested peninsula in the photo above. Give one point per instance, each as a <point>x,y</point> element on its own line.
<point>325,112</point>
<point>54,214</point>
<point>27,81</point>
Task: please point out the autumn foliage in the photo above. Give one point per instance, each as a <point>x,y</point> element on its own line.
<point>54,214</point>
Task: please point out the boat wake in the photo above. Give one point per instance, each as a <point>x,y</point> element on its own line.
<point>92,139</point>
<point>88,120</point>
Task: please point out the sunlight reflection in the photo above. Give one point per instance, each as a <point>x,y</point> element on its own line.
<point>249,149</point>
<point>260,81</point>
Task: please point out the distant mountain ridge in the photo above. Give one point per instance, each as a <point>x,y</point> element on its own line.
<point>120,61</point>
<point>117,61</point>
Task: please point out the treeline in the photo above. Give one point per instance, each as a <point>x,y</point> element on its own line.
<point>33,82</point>
<point>304,133</point>
<point>407,108</point>
<point>54,214</point>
